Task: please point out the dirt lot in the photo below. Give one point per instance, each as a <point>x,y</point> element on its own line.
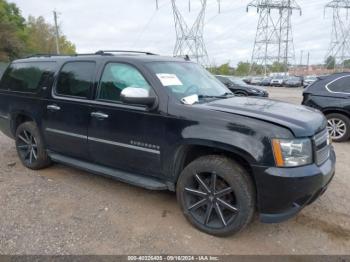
<point>61,210</point>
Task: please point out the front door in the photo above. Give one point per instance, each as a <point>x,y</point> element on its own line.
<point>121,136</point>
<point>67,115</point>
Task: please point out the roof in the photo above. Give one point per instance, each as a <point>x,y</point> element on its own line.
<point>105,55</point>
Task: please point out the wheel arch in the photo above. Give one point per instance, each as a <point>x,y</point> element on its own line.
<point>328,111</point>
<point>18,118</point>
<point>187,153</point>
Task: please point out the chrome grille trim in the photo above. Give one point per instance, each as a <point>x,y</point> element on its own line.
<point>322,147</point>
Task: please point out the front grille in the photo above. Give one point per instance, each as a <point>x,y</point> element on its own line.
<point>322,146</point>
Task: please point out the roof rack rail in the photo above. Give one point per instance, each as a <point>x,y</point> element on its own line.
<point>41,55</point>
<point>109,52</point>
<point>52,55</point>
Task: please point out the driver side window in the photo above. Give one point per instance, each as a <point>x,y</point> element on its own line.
<point>116,77</point>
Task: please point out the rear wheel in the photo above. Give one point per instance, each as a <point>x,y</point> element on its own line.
<point>338,127</point>
<point>216,195</point>
<point>30,146</point>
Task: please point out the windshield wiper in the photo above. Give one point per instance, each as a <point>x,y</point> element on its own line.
<point>223,96</point>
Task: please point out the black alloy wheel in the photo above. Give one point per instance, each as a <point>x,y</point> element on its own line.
<point>27,147</point>
<point>211,201</point>
<point>30,146</point>
<point>216,195</point>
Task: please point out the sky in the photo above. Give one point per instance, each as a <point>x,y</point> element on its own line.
<point>136,25</point>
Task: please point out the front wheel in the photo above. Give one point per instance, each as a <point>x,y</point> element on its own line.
<point>30,146</point>
<point>216,195</point>
<point>241,93</point>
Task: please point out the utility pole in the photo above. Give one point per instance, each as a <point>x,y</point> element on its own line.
<point>308,62</point>
<point>274,38</point>
<point>56,33</point>
<point>339,47</point>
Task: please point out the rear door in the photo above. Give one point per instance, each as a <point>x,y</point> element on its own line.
<point>123,136</point>
<point>67,112</point>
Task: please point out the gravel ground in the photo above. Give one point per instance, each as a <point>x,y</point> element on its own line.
<point>61,210</point>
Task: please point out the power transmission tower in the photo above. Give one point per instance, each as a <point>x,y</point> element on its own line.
<point>56,33</point>
<point>274,38</point>
<point>339,48</point>
<point>190,40</point>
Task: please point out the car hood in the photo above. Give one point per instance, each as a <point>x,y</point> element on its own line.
<point>301,120</point>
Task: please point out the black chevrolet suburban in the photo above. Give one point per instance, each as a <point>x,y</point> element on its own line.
<point>165,123</point>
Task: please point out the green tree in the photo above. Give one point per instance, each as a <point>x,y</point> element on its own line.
<point>347,64</point>
<point>330,62</point>
<point>12,31</point>
<point>223,69</point>
<point>277,67</point>
<point>41,38</point>
<point>242,69</point>
<point>19,37</point>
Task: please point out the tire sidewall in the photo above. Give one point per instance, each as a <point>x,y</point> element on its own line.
<point>236,177</point>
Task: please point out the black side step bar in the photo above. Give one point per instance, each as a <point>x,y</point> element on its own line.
<point>133,179</point>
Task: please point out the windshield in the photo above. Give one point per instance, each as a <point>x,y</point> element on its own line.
<point>184,79</point>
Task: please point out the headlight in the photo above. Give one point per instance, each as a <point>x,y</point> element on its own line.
<point>292,153</point>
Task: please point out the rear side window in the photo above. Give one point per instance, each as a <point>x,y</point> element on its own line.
<point>27,77</point>
<point>75,79</point>
<point>341,85</point>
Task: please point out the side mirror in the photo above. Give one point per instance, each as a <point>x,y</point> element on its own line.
<point>137,96</point>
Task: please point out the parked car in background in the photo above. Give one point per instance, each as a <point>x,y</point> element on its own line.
<point>293,81</point>
<point>308,80</point>
<point>165,123</point>
<point>247,79</point>
<point>256,81</point>
<point>277,81</point>
<point>240,88</point>
<point>266,81</point>
<point>331,95</point>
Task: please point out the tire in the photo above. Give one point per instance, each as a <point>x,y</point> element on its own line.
<point>30,147</point>
<point>338,127</point>
<point>241,93</point>
<point>236,204</point>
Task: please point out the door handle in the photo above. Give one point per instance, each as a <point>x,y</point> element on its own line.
<point>53,107</point>
<point>99,115</point>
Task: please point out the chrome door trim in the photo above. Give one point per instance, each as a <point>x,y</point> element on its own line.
<point>52,130</point>
<point>96,102</point>
<point>153,151</point>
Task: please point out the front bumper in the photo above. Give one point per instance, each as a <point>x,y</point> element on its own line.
<point>283,192</point>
